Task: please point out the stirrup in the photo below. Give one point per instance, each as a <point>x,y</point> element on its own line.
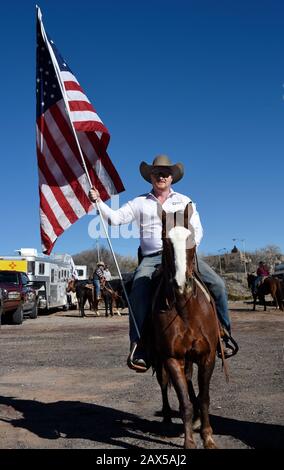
<point>135,366</point>
<point>230,344</point>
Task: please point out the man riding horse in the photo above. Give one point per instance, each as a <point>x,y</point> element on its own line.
<point>261,273</point>
<point>145,211</point>
<point>98,279</point>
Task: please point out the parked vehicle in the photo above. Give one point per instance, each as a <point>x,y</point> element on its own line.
<point>79,273</point>
<point>1,303</point>
<point>279,271</point>
<point>49,275</point>
<point>17,297</point>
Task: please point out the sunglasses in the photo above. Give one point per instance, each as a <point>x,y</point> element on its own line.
<point>161,173</point>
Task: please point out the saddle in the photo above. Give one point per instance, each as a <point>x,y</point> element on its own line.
<point>157,277</point>
<point>229,346</point>
<point>89,286</point>
<point>258,282</point>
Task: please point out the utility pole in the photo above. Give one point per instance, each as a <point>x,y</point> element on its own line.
<point>220,259</point>
<point>98,250</point>
<point>244,253</point>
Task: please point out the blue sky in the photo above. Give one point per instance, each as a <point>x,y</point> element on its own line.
<point>201,81</point>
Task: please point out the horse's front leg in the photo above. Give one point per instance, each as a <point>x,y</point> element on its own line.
<point>176,370</point>
<point>110,307</point>
<point>116,307</point>
<point>96,307</point>
<point>278,303</point>
<point>106,305</point>
<point>254,302</point>
<point>204,376</point>
<point>196,421</point>
<point>163,380</point>
<point>82,305</point>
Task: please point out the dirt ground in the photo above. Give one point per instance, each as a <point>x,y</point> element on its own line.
<point>64,383</point>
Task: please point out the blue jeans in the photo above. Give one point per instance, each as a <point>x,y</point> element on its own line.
<point>97,285</point>
<point>257,283</point>
<point>140,296</point>
<point>218,291</point>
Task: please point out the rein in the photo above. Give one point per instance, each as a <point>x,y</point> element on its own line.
<point>110,290</point>
<point>172,289</point>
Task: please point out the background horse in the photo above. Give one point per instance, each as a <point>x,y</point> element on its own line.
<point>270,285</point>
<point>110,298</point>
<point>113,293</point>
<point>84,291</point>
<point>186,328</point>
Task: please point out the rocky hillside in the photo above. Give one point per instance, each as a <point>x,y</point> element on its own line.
<point>237,288</point>
<point>231,266</point>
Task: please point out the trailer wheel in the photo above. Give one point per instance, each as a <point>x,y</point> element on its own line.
<point>1,306</point>
<point>18,315</point>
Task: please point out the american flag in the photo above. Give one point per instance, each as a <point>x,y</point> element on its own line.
<point>63,183</point>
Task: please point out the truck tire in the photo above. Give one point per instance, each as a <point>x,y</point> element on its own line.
<point>18,315</point>
<point>1,306</point>
<point>34,311</point>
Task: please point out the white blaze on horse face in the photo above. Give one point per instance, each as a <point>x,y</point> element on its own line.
<point>181,238</point>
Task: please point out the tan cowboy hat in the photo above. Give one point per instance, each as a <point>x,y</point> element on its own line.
<point>100,263</point>
<point>162,161</point>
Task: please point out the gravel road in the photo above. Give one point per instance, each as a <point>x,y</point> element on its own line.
<point>64,384</point>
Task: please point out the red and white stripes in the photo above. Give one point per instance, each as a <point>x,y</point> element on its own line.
<point>63,184</point>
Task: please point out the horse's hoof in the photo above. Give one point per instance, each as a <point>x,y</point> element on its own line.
<point>208,440</point>
<point>210,444</point>
<point>190,444</point>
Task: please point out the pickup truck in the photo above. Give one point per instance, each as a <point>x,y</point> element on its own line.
<point>17,297</point>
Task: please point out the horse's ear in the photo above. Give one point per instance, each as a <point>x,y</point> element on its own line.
<point>163,216</point>
<point>188,211</point>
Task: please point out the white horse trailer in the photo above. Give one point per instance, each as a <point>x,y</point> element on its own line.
<point>49,275</point>
<point>81,271</point>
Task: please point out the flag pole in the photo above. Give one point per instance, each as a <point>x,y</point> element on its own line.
<point>63,91</point>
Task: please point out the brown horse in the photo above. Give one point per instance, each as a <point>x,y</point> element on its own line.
<point>186,328</point>
<point>84,291</point>
<point>270,285</point>
<point>113,293</point>
<point>111,299</point>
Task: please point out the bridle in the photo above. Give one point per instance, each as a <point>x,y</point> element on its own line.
<point>111,291</point>
<point>171,289</point>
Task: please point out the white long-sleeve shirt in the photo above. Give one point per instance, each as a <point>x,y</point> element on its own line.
<point>144,211</point>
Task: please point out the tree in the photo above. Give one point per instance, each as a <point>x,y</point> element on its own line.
<point>90,258</point>
<point>270,255</point>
